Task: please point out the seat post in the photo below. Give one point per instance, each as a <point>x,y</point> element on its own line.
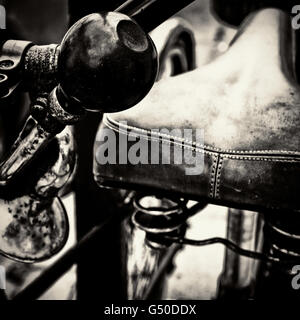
<point>281,240</point>
<point>237,279</point>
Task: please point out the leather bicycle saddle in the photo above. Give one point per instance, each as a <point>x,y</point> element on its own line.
<point>247,102</point>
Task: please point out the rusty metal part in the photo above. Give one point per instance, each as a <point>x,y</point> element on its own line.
<point>23,149</point>
<point>59,111</point>
<point>40,68</point>
<point>33,221</point>
<point>39,129</point>
<point>107,78</point>
<point>30,237</point>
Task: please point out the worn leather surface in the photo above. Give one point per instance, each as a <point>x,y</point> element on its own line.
<point>248,103</point>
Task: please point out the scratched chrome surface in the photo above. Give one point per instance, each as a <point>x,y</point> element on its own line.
<point>34,225</point>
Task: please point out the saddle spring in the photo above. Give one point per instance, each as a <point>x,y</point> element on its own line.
<point>165,222</point>
<point>159,217</point>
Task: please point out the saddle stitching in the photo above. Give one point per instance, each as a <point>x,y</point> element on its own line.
<point>148,135</point>
<point>218,175</point>
<point>213,175</point>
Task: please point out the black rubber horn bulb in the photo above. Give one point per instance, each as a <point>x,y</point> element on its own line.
<point>107,62</point>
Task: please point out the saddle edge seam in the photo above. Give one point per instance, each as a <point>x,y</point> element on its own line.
<point>236,155</point>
